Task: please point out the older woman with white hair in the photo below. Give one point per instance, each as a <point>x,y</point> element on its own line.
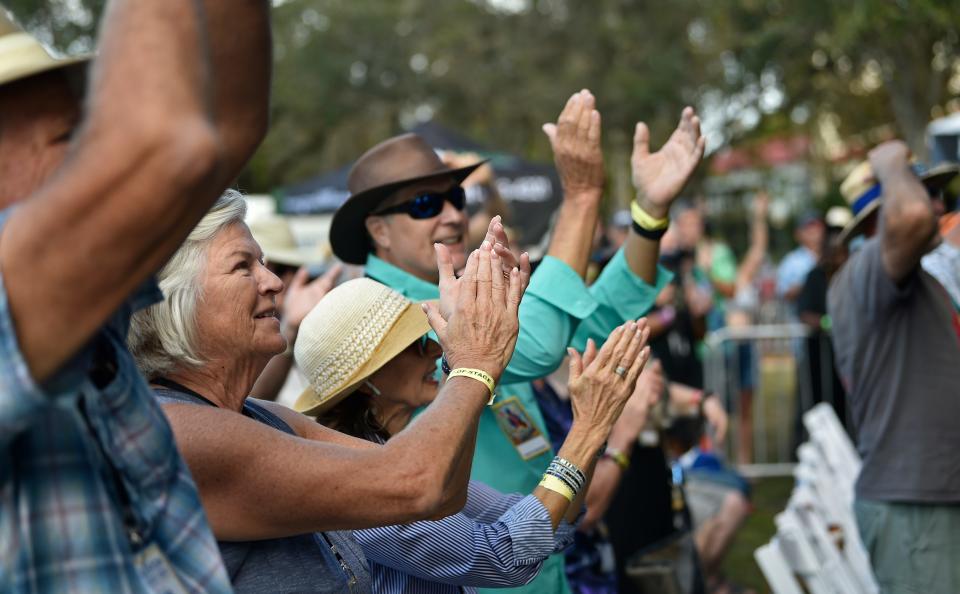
<point>275,485</point>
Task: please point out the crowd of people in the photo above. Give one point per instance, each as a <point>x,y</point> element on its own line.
<point>187,404</point>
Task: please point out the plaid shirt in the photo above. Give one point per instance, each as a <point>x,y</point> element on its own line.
<point>91,482</point>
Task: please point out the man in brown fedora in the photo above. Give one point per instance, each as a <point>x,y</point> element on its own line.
<point>404,202</point>
<point>896,336</point>
<point>93,494</point>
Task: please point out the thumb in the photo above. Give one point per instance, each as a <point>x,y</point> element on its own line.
<point>641,140</point>
<point>300,278</point>
<point>436,321</point>
<point>551,131</point>
<point>576,364</point>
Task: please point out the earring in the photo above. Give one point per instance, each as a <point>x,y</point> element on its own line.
<point>370,385</point>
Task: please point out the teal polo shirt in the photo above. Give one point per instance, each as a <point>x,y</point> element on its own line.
<point>558,310</point>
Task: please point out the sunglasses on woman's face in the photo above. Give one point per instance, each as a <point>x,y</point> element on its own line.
<point>428,204</point>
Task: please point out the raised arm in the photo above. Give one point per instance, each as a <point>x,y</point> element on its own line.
<point>575,140</point>
<point>259,483</point>
<point>659,178</point>
<point>177,102</point>
<point>759,239</point>
<point>908,225</point>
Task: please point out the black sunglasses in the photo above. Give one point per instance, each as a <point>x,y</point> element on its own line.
<point>428,204</point>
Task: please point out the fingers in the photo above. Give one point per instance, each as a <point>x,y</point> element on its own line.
<point>641,141</point>
<point>612,351</point>
<point>590,353</point>
<point>329,278</point>
<point>524,270</point>
<point>436,321</point>
<point>576,364</point>
<point>593,132</point>
<point>484,278</point>
<point>636,365</point>
<point>444,263</point>
<point>585,115</point>
<point>300,278</point>
<point>634,345</point>
<point>516,292</point>
<point>468,282</point>
<point>567,123</point>
<point>500,285</point>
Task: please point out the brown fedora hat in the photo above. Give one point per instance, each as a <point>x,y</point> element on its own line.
<point>394,163</point>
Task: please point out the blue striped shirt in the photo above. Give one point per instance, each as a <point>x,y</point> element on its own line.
<point>496,541</point>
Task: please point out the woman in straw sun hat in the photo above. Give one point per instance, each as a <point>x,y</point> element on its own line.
<point>367,379</point>
<point>277,487</point>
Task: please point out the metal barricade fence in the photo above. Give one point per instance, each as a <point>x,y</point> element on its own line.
<point>763,375</point>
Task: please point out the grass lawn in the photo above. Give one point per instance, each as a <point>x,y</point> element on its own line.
<point>769,498</point>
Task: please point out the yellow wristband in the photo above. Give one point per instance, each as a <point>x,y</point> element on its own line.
<point>645,220</point>
<point>622,460</point>
<point>479,375</point>
<point>552,483</point>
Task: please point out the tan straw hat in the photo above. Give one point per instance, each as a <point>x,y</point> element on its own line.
<point>280,246</point>
<point>22,56</point>
<point>864,195</point>
<point>355,330</point>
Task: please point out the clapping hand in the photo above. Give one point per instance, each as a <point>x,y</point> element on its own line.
<point>478,328</point>
<point>575,140</point>
<point>602,382</point>
<point>303,294</point>
<point>659,177</point>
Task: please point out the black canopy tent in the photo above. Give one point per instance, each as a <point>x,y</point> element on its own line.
<point>532,190</point>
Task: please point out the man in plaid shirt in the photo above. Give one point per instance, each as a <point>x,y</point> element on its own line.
<point>94,496</point>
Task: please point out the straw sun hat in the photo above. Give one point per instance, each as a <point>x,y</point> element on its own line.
<point>22,56</point>
<point>864,195</point>
<point>355,330</point>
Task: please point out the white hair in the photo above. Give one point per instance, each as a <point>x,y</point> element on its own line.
<point>163,336</point>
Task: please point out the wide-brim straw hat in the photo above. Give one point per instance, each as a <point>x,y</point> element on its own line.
<point>279,245</point>
<point>378,173</point>
<point>864,195</point>
<point>22,56</point>
<point>352,332</point>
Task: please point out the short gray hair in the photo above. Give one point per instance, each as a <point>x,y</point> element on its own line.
<point>163,336</point>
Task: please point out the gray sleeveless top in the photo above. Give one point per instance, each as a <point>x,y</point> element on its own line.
<point>325,562</point>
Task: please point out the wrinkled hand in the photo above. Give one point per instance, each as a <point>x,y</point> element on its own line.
<point>496,237</point>
<point>575,140</point>
<point>303,294</point>
<point>716,417</point>
<point>480,327</point>
<point>597,393</point>
<point>659,177</point>
<point>633,419</point>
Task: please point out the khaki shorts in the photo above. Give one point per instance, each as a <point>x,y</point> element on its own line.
<point>914,548</point>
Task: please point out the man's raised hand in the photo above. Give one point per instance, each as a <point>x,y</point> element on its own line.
<point>575,140</point>
<point>659,177</point>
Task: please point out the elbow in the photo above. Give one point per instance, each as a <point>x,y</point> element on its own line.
<point>915,223</point>
<point>425,492</point>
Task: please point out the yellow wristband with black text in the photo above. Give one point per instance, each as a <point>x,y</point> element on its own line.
<point>478,374</point>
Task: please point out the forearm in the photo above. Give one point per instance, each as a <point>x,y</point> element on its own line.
<point>441,435</point>
<point>241,60</point>
<point>642,256</point>
<point>580,448</point>
<point>573,232</point>
<point>908,224</point>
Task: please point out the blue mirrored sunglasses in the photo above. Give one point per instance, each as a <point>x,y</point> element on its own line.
<point>428,204</point>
